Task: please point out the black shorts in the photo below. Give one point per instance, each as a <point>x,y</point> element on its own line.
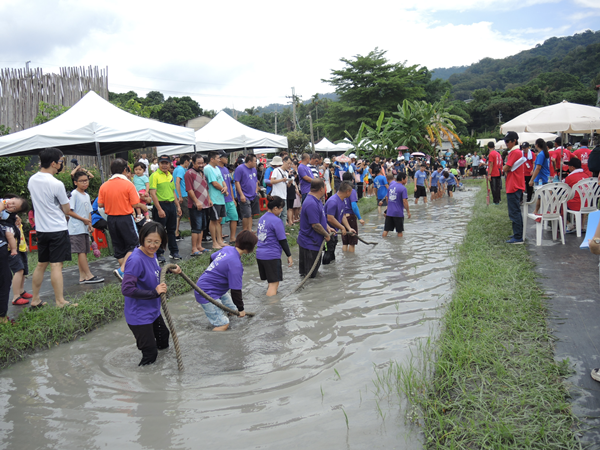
<point>18,262</point>
<point>420,192</point>
<point>346,238</point>
<point>270,270</point>
<point>101,225</point>
<point>394,222</point>
<point>384,200</point>
<point>451,188</point>
<point>433,189</point>
<point>124,235</point>
<point>290,200</point>
<point>54,246</point>
<point>249,208</point>
<point>216,212</point>
<point>306,259</point>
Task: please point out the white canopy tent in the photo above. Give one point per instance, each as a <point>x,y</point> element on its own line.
<point>562,117</point>
<point>326,146</point>
<point>529,137</point>
<point>225,133</point>
<point>484,142</point>
<point>94,126</point>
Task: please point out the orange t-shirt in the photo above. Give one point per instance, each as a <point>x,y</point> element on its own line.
<point>118,197</point>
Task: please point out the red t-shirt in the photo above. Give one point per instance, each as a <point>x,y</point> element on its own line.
<point>495,159</point>
<point>529,164</point>
<point>515,180</point>
<point>574,177</point>
<point>583,154</point>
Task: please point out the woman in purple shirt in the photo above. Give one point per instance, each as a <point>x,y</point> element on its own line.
<point>142,290</point>
<point>271,241</point>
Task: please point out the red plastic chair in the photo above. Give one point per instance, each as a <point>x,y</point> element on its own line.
<point>32,246</point>
<point>262,202</point>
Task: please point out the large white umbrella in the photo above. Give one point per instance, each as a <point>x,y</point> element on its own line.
<point>564,117</point>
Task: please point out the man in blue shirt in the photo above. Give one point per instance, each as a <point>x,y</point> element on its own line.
<point>381,185</point>
<point>313,228</point>
<point>178,174</point>
<point>334,209</point>
<point>421,184</point>
<point>434,187</point>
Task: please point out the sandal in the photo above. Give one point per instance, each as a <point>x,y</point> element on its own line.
<point>20,301</point>
<point>38,306</point>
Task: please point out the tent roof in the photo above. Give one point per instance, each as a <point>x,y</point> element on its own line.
<point>226,133</point>
<point>92,119</point>
<point>325,145</point>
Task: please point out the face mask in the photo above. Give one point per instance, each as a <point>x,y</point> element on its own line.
<point>60,168</point>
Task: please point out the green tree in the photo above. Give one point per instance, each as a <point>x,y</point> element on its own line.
<point>297,141</point>
<point>154,98</point>
<point>177,110</point>
<point>13,178</point>
<point>366,86</point>
<point>48,112</point>
<point>256,122</point>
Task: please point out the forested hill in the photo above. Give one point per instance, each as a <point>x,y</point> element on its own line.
<point>578,55</point>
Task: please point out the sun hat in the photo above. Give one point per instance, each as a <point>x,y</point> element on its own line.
<point>277,161</point>
<point>327,161</point>
<point>352,156</point>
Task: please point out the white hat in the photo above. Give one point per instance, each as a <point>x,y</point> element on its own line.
<point>277,161</point>
<point>351,156</point>
<point>327,161</point>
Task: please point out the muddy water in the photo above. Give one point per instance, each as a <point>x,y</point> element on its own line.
<point>287,378</point>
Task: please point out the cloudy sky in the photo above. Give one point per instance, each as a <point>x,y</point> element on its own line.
<point>242,53</point>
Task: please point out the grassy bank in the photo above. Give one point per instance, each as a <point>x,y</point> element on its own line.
<point>49,326</point>
<point>489,380</point>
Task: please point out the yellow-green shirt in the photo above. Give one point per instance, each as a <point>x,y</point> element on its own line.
<point>164,185</point>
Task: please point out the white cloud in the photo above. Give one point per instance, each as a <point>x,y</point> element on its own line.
<point>588,3</point>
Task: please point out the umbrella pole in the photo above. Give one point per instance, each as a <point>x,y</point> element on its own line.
<point>194,149</point>
<point>100,162</point>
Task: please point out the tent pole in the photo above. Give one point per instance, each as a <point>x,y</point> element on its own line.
<point>100,162</point>
<point>194,149</point>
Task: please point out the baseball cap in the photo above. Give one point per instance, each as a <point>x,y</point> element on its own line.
<point>352,156</point>
<point>511,136</point>
<point>164,158</point>
<point>525,145</point>
<point>327,161</point>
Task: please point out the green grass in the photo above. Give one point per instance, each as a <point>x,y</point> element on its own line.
<point>489,381</point>
<point>49,326</point>
<point>32,259</point>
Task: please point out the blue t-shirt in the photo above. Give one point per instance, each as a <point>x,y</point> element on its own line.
<point>304,171</point>
<point>147,271</point>
<point>396,196</point>
<point>269,231</point>
<point>140,182</point>
<point>451,180</point>
<point>179,172</point>
<point>225,272</point>
<point>435,176</point>
<point>544,172</point>
<point>420,177</point>
<point>380,181</point>
<point>228,183</point>
<point>348,202</point>
<point>267,179</point>
<point>247,179</point>
<point>312,212</point>
<point>214,174</point>
<point>335,207</point>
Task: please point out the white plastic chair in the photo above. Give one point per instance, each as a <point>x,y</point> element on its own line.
<point>552,197</point>
<point>589,194</point>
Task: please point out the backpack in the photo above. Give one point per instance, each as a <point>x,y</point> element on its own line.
<point>594,160</point>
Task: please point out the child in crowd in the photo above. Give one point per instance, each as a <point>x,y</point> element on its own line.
<point>154,165</point>
<point>145,162</point>
<point>141,182</point>
<point>142,288</point>
<point>381,184</point>
<point>80,225</point>
<point>397,203</point>
<point>352,213</point>
<point>450,181</point>
<point>7,240</point>
<point>19,268</point>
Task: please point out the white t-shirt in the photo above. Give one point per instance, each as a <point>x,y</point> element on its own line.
<point>80,205</point>
<point>47,196</point>
<point>147,163</point>
<point>153,167</point>
<point>279,189</point>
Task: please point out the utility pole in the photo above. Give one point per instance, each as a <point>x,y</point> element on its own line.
<point>499,116</point>
<point>312,136</point>
<point>275,122</point>
<point>294,99</point>
<point>317,113</point>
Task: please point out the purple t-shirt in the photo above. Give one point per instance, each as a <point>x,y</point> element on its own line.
<point>335,207</point>
<point>269,231</point>
<point>247,179</point>
<point>225,272</point>
<point>312,212</point>
<point>304,171</point>
<point>348,202</point>
<point>396,195</point>
<point>227,179</point>
<point>147,271</point>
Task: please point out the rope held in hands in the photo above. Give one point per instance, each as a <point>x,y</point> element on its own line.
<point>163,301</point>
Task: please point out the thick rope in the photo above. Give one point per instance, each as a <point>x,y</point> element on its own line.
<point>163,302</point>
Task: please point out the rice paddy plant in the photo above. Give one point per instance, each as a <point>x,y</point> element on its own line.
<point>489,380</point>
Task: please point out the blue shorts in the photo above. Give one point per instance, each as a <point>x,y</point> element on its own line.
<point>197,220</point>
<point>216,316</point>
<point>231,211</point>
